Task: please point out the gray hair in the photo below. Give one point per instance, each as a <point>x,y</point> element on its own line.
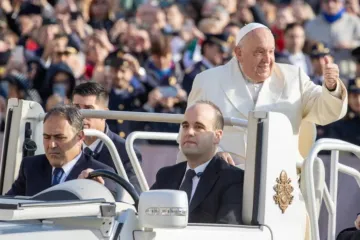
<point>70,113</point>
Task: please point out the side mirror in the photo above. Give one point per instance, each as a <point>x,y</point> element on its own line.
<point>163,209</point>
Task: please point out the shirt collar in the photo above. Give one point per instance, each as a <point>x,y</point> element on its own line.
<point>207,63</point>
<point>200,168</point>
<point>69,165</point>
<point>93,145</point>
<point>97,141</point>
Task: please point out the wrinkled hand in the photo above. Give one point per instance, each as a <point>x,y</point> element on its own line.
<point>227,157</point>
<point>357,222</point>
<point>331,74</point>
<point>85,173</point>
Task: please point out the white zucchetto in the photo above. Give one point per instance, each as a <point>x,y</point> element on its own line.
<point>248,28</point>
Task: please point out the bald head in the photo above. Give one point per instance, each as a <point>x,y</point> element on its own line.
<point>201,132</point>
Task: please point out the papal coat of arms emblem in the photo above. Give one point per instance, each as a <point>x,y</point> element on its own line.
<point>283,191</point>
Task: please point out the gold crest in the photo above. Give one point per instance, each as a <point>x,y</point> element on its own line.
<point>357,82</point>
<point>283,191</point>
<point>172,81</point>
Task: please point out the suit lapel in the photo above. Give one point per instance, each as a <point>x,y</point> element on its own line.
<point>79,166</point>
<point>178,176</point>
<point>271,90</point>
<point>45,178</point>
<point>206,183</point>
<point>235,88</point>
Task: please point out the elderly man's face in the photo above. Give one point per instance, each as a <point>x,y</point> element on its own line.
<point>256,54</point>
<point>198,135</point>
<point>62,143</point>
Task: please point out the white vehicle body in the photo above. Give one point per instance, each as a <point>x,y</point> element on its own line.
<point>163,214</point>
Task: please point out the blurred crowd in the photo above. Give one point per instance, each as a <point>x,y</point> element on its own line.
<point>147,53</point>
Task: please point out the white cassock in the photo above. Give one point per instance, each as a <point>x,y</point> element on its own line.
<point>289,91</point>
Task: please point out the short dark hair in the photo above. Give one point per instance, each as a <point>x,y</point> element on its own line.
<point>92,89</point>
<point>292,26</point>
<point>160,45</point>
<point>70,113</point>
<point>219,118</point>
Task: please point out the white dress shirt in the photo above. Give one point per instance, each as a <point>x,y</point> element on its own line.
<point>68,167</point>
<point>196,179</point>
<point>93,145</point>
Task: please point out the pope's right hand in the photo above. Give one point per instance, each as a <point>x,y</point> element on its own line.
<point>226,157</point>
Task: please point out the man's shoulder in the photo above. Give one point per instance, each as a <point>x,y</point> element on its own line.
<point>95,164</point>
<point>287,70</point>
<point>120,143</point>
<point>314,23</point>
<point>116,138</point>
<point>229,172</point>
<point>171,169</point>
<point>213,70</point>
<point>214,75</point>
<point>34,160</point>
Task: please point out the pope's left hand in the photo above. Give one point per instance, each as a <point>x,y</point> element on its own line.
<point>331,74</point>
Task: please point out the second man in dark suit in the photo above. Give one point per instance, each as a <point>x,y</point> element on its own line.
<point>214,188</point>
<point>92,95</point>
<point>63,160</point>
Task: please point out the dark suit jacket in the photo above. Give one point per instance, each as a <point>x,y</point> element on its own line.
<point>35,174</point>
<point>349,234</point>
<point>105,157</point>
<point>218,196</point>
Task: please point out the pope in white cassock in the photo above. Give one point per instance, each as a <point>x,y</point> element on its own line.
<point>252,81</point>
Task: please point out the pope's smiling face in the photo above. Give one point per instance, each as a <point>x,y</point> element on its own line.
<point>256,54</point>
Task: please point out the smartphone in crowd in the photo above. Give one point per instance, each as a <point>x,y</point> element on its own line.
<point>59,89</point>
<point>168,91</point>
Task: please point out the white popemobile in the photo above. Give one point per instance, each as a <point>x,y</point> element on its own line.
<point>273,207</point>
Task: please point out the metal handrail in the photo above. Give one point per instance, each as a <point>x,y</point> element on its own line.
<point>330,197</point>
<point>129,144</point>
<point>112,149</point>
<point>146,117</point>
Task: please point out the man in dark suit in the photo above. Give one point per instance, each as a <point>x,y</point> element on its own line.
<point>214,187</point>
<point>92,95</point>
<point>351,233</point>
<point>63,159</point>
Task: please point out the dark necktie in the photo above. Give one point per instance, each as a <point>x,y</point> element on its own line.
<point>57,175</point>
<point>88,151</point>
<point>187,183</point>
